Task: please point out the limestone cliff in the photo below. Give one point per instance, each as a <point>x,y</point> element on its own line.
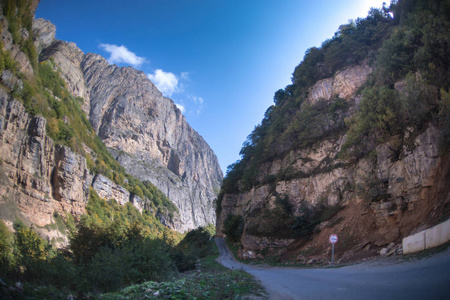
<point>144,130</point>
<point>372,202</point>
<point>38,177</point>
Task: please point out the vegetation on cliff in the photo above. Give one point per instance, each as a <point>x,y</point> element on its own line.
<point>409,39</point>
<point>309,164</point>
<point>109,257</point>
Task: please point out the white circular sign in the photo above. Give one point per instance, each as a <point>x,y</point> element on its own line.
<point>333,239</point>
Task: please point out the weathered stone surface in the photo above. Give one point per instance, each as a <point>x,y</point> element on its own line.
<point>347,82</point>
<point>68,57</point>
<point>321,90</point>
<point>42,177</point>
<point>137,202</point>
<point>108,190</point>
<point>44,33</point>
<point>71,178</point>
<point>145,131</point>
<point>255,243</point>
<point>343,85</point>
<point>384,198</point>
<point>10,81</point>
<point>137,119</point>
<point>8,45</point>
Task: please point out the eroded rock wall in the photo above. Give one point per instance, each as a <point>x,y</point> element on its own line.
<point>39,178</point>
<point>145,131</point>
<point>396,191</point>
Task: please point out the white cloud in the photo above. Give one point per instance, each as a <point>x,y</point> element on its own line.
<point>181,107</point>
<point>120,54</point>
<point>166,82</point>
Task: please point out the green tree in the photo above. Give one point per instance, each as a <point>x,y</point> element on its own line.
<point>234,227</point>
<point>30,251</point>
<point>5,247</point>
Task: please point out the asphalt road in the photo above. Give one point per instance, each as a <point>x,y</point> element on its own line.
<point>428,278</point>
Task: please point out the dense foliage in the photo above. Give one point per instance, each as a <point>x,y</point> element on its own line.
<point>110,247</point>
<point>407,44</point>
<point>234,227</point>
<point>18,14</point>
<point>104,254</point>
<point>410,82</point>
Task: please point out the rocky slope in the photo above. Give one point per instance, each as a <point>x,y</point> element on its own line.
<point>359,152</point>
<point>144,130</point>
<point>384,198</point>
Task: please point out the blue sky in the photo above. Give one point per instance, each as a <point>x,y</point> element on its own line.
<point>221,61</point>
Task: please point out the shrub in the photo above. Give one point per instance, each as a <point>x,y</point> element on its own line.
<point>5,247</point>
<point>234,227</point>
<point>305,224</point>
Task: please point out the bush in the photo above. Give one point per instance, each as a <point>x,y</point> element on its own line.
<point>305,224</point>
<point>131,262</point>
<point>234,227</point>
<point>5,247</point>
<point>30,251</point>
<point>196,244</point>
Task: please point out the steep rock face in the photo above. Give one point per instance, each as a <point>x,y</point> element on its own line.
<point>131,115</point>
<point>8,45</point>
<point>68,58</point>
<point>145,131</point>
<point>384,198</point>
<point>44,33</point>
<point>343,85</point>
<point>70,178</point>
<point>108,190</point>
<point>40,177</point>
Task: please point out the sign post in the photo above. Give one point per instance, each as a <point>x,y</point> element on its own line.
<point>333,240</point>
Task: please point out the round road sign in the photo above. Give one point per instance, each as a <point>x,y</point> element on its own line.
<point>333,238</point>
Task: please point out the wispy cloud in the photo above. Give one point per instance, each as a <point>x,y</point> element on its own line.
<point>198,102</point>
<point>185,75</point>
<point>167,82</point>
<point>120,54</point>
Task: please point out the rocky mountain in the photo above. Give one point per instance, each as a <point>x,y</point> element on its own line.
<point>349,148</point>
<point>144,131</point>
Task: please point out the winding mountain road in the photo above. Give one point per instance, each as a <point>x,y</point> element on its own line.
<point>424,279</point>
